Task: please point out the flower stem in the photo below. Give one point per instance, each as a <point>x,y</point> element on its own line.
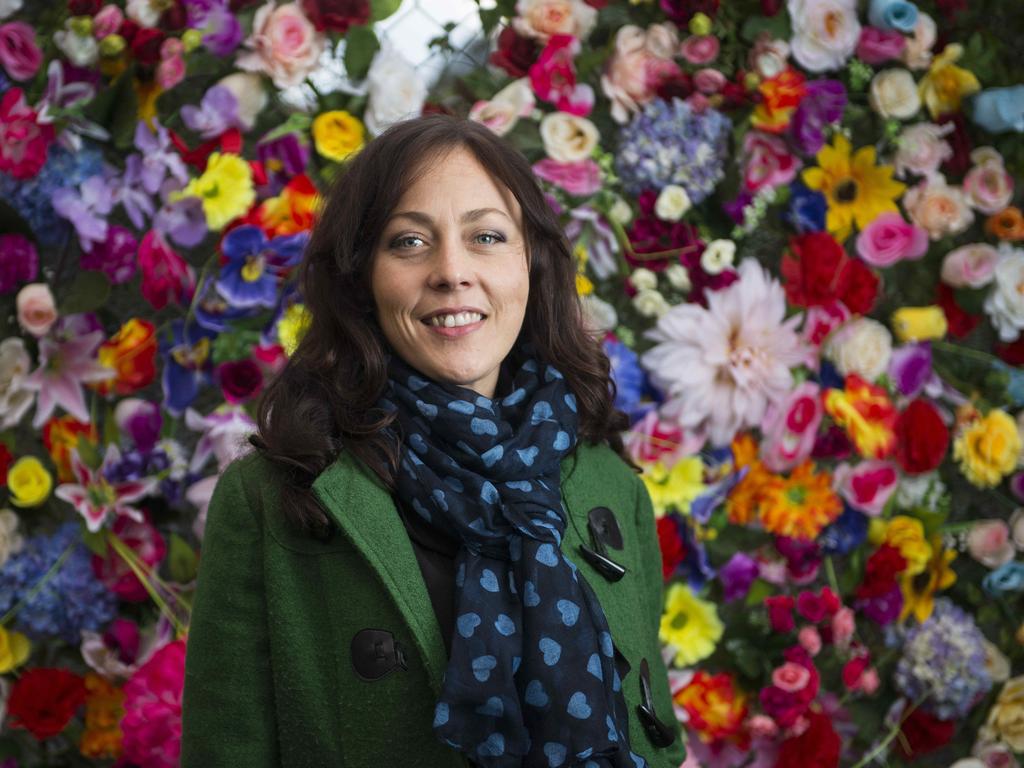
<point>145,579</point>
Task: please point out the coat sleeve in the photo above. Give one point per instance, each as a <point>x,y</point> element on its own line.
<point>650,554</point>
<point>228,708</point>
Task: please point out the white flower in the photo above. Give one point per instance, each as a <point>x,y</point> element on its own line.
<point>567,138</point>
<point>8,7</point>
<point>650,303</point>
<point>672,203</point>
<point>503,111</point>
<point>1005,304</point>
<point>541,19</point>
<point>679,277</point>
<point>15,399</point>
<point>718,256</point>
<point>825,32</point>
<point>620,212</point>
<point>921,149</point>
<point>250,96</point>
<point>145,12</point>
<point>996,663</point>
<point>894,94</point>
<point>643,279</point>
<point>917,53</point>
<point>11,541</point>
<point>721,366</point>
<point>939,207</point>
<point>862,346</point>
<point>599,316</point>
<point>81,50</point>
<point>396,90</point>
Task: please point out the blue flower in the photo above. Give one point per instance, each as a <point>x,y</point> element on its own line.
<point>999,110</point>
<point>807,209</point>
<point>215,314</point>
<point>71,599</point>
<point>628,377</point>
<point>893,14</point>
<point>845,534</point>
<point>254,265</point>
<point>1005,580</point>
<point>187,365</point>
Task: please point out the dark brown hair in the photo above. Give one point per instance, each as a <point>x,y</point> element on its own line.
<point>324,400</point>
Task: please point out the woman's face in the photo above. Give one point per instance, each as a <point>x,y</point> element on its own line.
<point>450,277</point>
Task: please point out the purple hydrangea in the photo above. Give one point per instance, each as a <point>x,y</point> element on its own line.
<point>669,142</point>
<point>944,663</point>
<point>19,262</point>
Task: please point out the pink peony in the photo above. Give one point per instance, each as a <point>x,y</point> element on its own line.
<point>988,185</point>
<point>866,486</point>
<point>580,179</point>
<point>553,77</point>
<point>152,709</point>
<point>699,49</point>
<point>877,46</point>
<point>989,543</point>
<point>284,44</point>
<point>165,275</point>
<point>23,140</point>
<point>149,547</point>
<point>641,62</point>
<point>889,239</point>
<point>970,266</point>
<point>767,161</point>
<point>19,54</point>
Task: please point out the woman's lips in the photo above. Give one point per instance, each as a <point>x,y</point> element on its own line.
<point>455,331</point>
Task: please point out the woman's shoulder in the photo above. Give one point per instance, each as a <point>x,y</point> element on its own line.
<point>597,464</point>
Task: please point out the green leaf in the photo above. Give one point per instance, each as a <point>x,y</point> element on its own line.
<point>96,542</point>
<point>88,452</point>
<point>181,560</point>
<point>970,300</point>
<point>88,291</point>
<point>360,46</point>
<point>381,9</point>
<point>759,590</point>
<point>235,345</point>
<point>777,26</point>
<point>297,122</point>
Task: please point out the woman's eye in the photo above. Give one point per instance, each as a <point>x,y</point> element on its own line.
<point>406,241</point>
<point>490,238</point>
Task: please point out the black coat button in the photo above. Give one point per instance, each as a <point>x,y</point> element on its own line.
<point>659,734</point>
<point>604,533</point>
<point>375,653</point>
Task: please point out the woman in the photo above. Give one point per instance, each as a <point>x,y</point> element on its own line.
<point>437,557</point>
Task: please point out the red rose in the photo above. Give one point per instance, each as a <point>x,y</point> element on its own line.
<point>6,459</point>
<point>923,733</point>
<point>880,572</point>
<point>681,11</point>
<point>921,438</point>
<point>960,322</point>
<point>780,612</point>
<point>861,287</point>
<point>84,7</point>
<point>818,271</point>
<point>781,706</point>
<point>960,141</point>
<point>670,541</point>
<point>44,700</point>
<point>816,747</point>
<point>175,17</point>
<point>514,53</point>
<point>145,46</point>
<point>678,86</point>
<point>336,15</point>
<point>240,380</point>
<point>1013,353</point>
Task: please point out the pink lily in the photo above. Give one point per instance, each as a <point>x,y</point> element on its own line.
<point>63,367</point>
<point>95,498</point>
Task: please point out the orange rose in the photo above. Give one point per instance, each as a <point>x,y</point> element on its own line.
<point>1007,225</point>
<point>131,352</point>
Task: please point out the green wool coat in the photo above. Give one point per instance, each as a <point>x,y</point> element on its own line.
<point>269,679</point>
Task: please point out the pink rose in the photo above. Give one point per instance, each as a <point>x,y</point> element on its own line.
<point>970,266</point>
<point>580,179</point>
<point>709,81</point>
<point>641,61</point>
<point>1017,528</point>
<point>171,69</point>
<point>889,239</point>
<point>988,185</point>
<point>767,161</point>
<point>37,311</point>
<point>790,428</point>
<point>989,543</point>
<point>553,77</point>
<point>19,54</point>
<point>699,49</point>
<point>810,639</point>
<point>165,275</point>
<point>107,21</point>
<point>877,46</point>
<point>922,149</point>
<point>762,726</point>
<point>791,677</point>
<point>866,486</point>
<point>938,207</point>
<point>24,141</point>
<point>843,625</point>
<point>869,681</point>
<point>542,19</point>
<point>284,44</point>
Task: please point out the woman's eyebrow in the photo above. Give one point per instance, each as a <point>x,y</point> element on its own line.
<point>468,217</point>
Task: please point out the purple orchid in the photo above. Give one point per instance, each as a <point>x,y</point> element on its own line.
<point>95,498</point>
<point>255,265</point>
<point>216,113</point>
<point>737,575</point>
<point>63,367</point>
<point>586,225</point>
<point>86,208</point>
<point>61,95</point>
<point>182,220</point>
<point>129,192</point>
<point>221,30</point>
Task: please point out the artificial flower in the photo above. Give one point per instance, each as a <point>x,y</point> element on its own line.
<point>862,346</point>
<point>1006,225</point>
<point>149,548</point>
<point>988,185</point>
<point>893,94</point>
<point>919,590</point>
<point>1005,720</point>
<point>43,700</point>
<point>36,308</point>
<point>29,482</point>
<point>553,77</point>
<point>396,90</point>
<point>14,650</point>
<point>790,428</point>
<point>284,44</point>
<point>866,486</point>
<point>945,84</point>
<point>922,438</point>
<point>61,434</point>
<point>19,261</point>
<point>568,138</point>
<point>24,140</point>
<point>989,542</point>
<point>825,32</point>
<point>225,188</point>
<point>165,275</point>
<point>716,707</point>
<point>95,498</point>
<point>581,178</point>
<point>674,486</point>
<point>11,540</point>
<point>878,46</point>
<point>337,15</point>
<point>641,61</point>
<point>867,414</point>
<point>919,323</point>
<point>63,367</point>
<point>337,134</point>
<point>1005,304</point>
<point>502,112</point>
<point>152,709</point>
<point>690,625</point>
<point>940,208</point>
<point>856,188</point>
<point>541,19</point>
<point>889,239</point>
<point>292,211</point>
<point>970,266</point>
<point>101,737</point>
<point>988,448</point>
<point>131,355</point>
<point>780,96</point>
<point>999,110</point>
<point>255,264</point>
<point>906,535</point>
<point>767,162</point>
<point>818,272</point>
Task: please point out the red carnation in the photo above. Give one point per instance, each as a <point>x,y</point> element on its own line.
<point>921,438</point>
<point>145,46</point>
<point>515,53</point>
<point>44,700</point>
<point>336,15</point>
<point>816,747</point>
<point>923,733</point>
<point>780,612</point>
<point>818,271</point>
<point>670,541</point>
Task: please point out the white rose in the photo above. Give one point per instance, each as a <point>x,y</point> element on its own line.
<point>650,303</point>
<point>620,212</point>
<point>643,279</point>
<point>1005,304</point>
<point>969,266</point>
<point>862,346</point>
<point>502,112</point>
<point>81,50</point>
<point>996,663</point>
<point>672,204</point>
<point>917,54</point>
<point>541,19</point>
<point>396,90</point>
<point>8,7</point>
<point>718,256</point>
<point>14,367</point>
<point>568,138</point>
<point>145,12</point>
<point>921,149</point>
<point>1016,522</point>
<point>599,316</point>
<point>938,207</point>
<point>825,33</point>
<point>249,94</point>
<point>679,277</point>
<point>11,540</point>
<point>894,94</point>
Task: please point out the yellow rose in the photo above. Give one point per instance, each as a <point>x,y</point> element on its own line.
<point>1006,718</point>
<point>945,84</point>
<point>337,134</point>
<point>919,323</point>
<point>988,449</point>
<point>14,649</point>
<point>29,482</point>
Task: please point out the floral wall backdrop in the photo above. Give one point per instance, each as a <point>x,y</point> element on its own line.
<point>799,234</point>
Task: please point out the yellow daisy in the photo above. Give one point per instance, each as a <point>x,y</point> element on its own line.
<point>690,625</point>
<point>801,505</point>
<point>675,487</point>
<point>857,190</point>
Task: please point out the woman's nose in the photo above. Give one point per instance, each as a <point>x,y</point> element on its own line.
<point>450,266</point>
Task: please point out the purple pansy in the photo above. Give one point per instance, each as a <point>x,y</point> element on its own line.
<point>159,157</point>
<point>187,365</point>
<point>283,157</point>
<point>737,575</point>
<point>254,265</point>
<point>182,220</point>
<point>86,208</point>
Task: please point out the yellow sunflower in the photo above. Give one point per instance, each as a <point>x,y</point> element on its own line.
<point>856,188</point>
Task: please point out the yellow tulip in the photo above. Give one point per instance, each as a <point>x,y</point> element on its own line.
<point>919,323</point>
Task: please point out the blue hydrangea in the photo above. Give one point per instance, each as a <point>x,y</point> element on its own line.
<point>944,663</point>
<point>71,600</point>
<point>32,198</point>
<point>669,143</point>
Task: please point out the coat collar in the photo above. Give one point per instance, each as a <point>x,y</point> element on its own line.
<point>366,515</point>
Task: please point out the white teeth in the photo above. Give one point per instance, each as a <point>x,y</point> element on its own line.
<point>453,321</point>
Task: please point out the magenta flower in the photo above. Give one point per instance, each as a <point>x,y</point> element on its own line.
<point>114,256</point>
<point>19,262</point>
<point>165,275</point>
<point>24,140</point>
<point>63,367</point>
<point>95,498</point>
<point>152,709</point>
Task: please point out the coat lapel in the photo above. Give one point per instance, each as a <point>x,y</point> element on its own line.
<point>366,514</point>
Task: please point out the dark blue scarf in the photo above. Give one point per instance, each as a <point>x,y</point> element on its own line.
<point>531,680</point>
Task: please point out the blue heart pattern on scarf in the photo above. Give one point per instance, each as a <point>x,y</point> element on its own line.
<point>531,679</point>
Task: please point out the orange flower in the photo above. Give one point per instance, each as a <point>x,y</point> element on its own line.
<point>104,708</point>
<point>801,505</point>
<point>131,352</point>
<point>867,414</point>
<point>780,96</point>
<point>1007,224</point>
<point>716,709</point>
<point>60,435</point>
<point>745,497</point>
<point>294,210</point>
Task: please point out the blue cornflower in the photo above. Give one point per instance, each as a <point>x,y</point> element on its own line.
<point>255,264</point>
